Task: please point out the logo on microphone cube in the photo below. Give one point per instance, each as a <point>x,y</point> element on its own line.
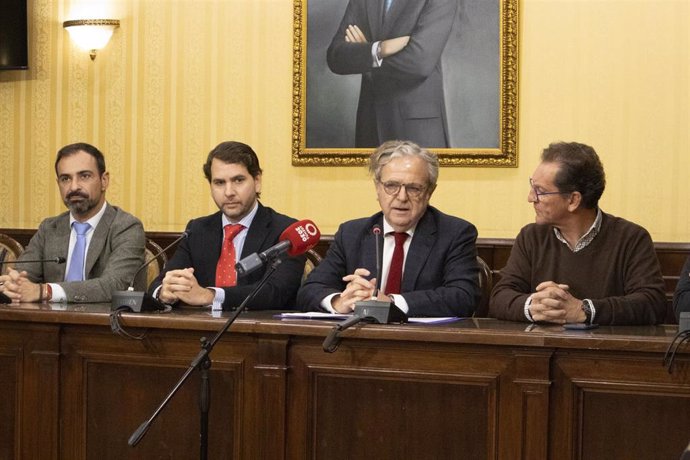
<point>306,231</point>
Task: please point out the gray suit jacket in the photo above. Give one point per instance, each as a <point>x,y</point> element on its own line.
<point>402,99</point>
<point>115,253</point>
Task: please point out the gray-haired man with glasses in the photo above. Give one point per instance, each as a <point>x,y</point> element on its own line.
<point>428,263</point>
<point>577,264</point>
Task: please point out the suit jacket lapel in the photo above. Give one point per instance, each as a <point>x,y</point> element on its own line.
<point>391,17</point>
<point>61,243</point>
<point>212,242</point>
<point>375,16</point>
<point>419,251</point>
<point>256,233</point>
<point>99,238</point>
<point>368,249</point>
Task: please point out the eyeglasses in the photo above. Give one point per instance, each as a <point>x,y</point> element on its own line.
<point>412,190</point>
<point>537,193</point>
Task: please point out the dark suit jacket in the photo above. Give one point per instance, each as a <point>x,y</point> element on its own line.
<point>201,250</point>
<point>402,99</point>
<point>681,298</point>
<point>440,277</point>
<point>115,253</point>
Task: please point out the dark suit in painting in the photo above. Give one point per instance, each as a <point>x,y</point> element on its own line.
<point>440,274</point>
<point>201,251</point>
<point>402,99</point>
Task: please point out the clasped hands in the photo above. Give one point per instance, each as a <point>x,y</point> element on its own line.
<point>182,285</point>
<point>553,303</point>
<point>358,288</point>
<point>17,286</point>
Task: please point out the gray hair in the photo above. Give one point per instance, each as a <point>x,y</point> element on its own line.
<point>396,149</point>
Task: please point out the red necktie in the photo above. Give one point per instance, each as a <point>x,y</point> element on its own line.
<point>225,270</point>
<point>396,268</point>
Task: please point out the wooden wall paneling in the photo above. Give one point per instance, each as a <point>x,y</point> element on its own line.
<point>112,384</point>
<point>270,398</point>
<point>10,375</point>
<point>479,388</point>
<point>356,402</point>
<point>616,405</point>
<point>530,406</point>
<point>29,378</point>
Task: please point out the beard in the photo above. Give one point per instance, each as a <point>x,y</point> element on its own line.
<point>81,207</point>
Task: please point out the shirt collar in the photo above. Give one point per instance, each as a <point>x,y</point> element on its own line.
<point>93,222</point>
<point>388,228</point>
<point>246,221</point>
<point>585,239</point>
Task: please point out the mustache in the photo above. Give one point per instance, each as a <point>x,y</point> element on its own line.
<point>77,194</point>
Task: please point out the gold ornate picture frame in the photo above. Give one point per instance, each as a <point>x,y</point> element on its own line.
<point>482,96</point>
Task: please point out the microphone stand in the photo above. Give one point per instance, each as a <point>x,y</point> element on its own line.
<point>203,363</point>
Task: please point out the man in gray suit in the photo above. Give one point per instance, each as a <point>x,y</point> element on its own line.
<point>436,273</point>
<point>396,46</point>
<point>103,245</point>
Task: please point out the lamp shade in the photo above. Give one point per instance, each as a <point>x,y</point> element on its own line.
<point>91,34</point>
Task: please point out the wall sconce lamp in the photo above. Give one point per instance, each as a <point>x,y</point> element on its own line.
<point>91,34</point>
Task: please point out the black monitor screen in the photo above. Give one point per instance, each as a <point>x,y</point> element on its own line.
<point>14,46</point>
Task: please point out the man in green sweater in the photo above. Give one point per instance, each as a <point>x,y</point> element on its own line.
<point>577,264</point>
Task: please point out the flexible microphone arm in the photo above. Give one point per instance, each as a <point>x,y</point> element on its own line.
<point>137,302</point>
<point>185,234</point>
<point>332,341</point>
<point>370,311</point>
<point>376,230</point>
<point>57,260</point>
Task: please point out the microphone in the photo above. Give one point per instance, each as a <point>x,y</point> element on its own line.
<point>376,230</point>
<point>368,311</point>
<point>57,260</point>
<point>184,235</point>
<point>378,311</point>
<point>142,301</point>
<point>297,239</point>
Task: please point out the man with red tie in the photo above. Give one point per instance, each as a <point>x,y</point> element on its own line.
<point>202,271</point>
<point>429,265</point>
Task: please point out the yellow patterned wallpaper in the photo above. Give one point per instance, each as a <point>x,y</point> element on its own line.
<point>180,76</point>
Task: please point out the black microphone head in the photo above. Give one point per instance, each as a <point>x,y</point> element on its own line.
<point>60,260</point>
<point>376,229</point>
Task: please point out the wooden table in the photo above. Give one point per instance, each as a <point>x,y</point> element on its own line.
<point>471,389</point>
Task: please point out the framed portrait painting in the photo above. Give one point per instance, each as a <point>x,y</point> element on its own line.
<point>442,73</point>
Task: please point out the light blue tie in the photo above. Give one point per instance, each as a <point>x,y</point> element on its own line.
<point>387,5</point>
<point>76,265</point>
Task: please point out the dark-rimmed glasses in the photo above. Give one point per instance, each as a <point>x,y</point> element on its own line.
<point>537,193</point>
<point>412,190</point>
